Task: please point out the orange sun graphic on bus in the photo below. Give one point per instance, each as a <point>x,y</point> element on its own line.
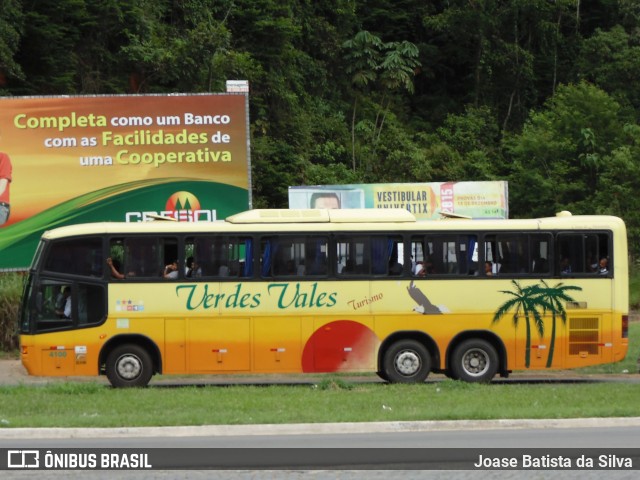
<point>182,201</point>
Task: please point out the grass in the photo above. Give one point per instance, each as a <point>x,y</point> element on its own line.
<point>94,405</point>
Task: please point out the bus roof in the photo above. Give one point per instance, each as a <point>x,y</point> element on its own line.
<point>316,215</point>
<point>395,220</point>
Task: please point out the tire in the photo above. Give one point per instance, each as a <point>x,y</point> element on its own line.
<point>406,361</point>
<point>129,366</point>
<point>474,360</point>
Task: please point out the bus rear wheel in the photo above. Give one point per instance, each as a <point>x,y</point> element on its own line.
<point>406,361</point>
<point>474,360</point>
<point>129,366</point>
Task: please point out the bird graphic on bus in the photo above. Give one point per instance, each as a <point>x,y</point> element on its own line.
<point>424,305</point>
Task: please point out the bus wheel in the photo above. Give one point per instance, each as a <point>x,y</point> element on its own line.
<point>129,366</point>
<point>406,361</point>
<point>474,360</point>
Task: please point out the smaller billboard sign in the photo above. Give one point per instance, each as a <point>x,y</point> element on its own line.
<point>427,201</point>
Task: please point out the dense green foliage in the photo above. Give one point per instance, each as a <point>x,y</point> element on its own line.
<point>543,94</point>
<point>10,294</point>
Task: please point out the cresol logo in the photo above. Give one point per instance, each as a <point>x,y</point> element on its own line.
<point>183,206</point>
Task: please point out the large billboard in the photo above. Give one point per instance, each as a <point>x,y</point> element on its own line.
<point>119,158</point>
<point>427,201</point>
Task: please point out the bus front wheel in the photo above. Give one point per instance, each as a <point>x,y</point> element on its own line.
<point>406,361</point>
<point>129,366</point>
<point>474,360</point>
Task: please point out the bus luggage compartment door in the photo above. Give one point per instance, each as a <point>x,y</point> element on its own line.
<point>277,344</point>
<point>218,344</point>
<point>58,360</point>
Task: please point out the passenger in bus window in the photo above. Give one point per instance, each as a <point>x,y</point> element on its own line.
<point>192,268</point>
<point>301,269</point>
<point>429,267</point>
<point>58,301</point>
<point>349,267</point>
<point>171,271</point>
<point>424,268</point>
<point>603,266</point>
<point>418,270</point>
<point>114,266</point>
<point>64,310</point>
<point>565,266</point>
<point>290,268</point>
<point>488,269</point>
<point>395,268</point>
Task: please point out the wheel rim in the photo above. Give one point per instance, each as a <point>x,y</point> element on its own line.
<point>129,367</point>
<point>476,362</point>
<point>407,363</point>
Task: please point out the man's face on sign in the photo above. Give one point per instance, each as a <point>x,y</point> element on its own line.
<point>327,202</point>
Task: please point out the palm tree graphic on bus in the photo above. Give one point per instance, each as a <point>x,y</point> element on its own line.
<point>531,303</point>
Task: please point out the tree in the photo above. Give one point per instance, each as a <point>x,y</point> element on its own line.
<point>397,70</point>
<point>176,44</point>
<point>363,53</point>
<point>466,146</point>
<point>611,60</point>
<point>11,31</point>
<point>47,52</point>
<point>397,90</point>
<point>378,68</point>
<point>560,156</point>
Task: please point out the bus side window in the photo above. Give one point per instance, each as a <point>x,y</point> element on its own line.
<point>418,255</point>
<point>226,257</point>
<point>141,257</point>
<point>299,256</point>
<point>395,249</point>
<point>172,268</point>
<point>352,256</point>
<point>540,248</point>
<point>91,307</point>
<point>583,253</point>
<point>51,302</point>
<point>76,257</point>
<point>58,305</point>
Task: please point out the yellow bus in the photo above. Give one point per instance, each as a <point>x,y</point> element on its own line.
<point>291,291</point>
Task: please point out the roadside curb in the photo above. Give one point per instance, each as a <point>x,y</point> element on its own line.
<point>315,428</point>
